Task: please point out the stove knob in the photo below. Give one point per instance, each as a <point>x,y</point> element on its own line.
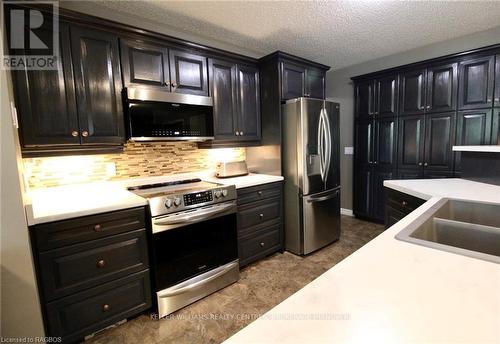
<point>168,203</point>
<point>224,193</point>
<point>217,194</point>
<point>177,201</point>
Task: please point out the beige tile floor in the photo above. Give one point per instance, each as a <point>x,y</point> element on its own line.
<point>262,285</point>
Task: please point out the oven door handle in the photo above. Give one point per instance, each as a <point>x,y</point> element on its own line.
<point>217,273</point>
<point>196,216</point>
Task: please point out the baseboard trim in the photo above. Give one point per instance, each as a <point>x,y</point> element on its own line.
<point>347,212</point>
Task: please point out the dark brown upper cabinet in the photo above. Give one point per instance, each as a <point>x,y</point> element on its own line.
<point>497,81</point>
<point>442,85</point>
<point>236,96</point>
<point>476,83</point>
<point>411,142</point>
<point>224,92</point>
<point>248,102</point>
<point>364,99</point>
<point>386,96</point>
<point>294,80</point>
<point>188,73</point>
<point>439,138</point>
<point>412,92</point>
<point>315,83</point>
<point>495,127</point>
<point>363,155</point>
<point>144,64</point>
<point>300,80</point>
<point>385,138</point>
<point>45,100</point>
<point>98,86</point>
<point>473,128</point>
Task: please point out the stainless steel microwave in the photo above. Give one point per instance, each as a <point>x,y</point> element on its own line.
<point>164,116</point>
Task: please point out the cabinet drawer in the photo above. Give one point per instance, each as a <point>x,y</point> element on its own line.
<point>67,232</point>
<point>258,213</point>
<point>255,247</point>
<point>259,192</point>
<point>83,313</point>
<point>73,268</point>
<point>403,202</point>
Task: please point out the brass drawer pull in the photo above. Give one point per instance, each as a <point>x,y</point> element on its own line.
<point>106,307</point>
<point>97,228</point>
<point>259,193</point>
<point>262,244</point>
<point>100,263</point>
<point>261,216</point>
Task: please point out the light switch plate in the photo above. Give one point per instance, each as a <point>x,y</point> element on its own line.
<point>348,150</point>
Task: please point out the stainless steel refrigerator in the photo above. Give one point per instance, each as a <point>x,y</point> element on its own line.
<point>311,169</point>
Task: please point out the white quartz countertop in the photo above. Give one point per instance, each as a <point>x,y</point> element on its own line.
<point>392,291</point>
<point>484,148</point>
<point>65,202</point>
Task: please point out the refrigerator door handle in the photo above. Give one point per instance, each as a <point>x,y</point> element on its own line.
<point>328,135</point>
<point>320,146</point>
<point>323,198</point>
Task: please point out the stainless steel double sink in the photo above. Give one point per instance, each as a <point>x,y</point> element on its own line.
<point>462,227</point>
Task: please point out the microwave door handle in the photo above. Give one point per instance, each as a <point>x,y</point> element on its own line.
<point>195,216</point>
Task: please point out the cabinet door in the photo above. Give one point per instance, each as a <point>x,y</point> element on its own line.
<point>144,64</point>
<point>45,99</point>
<point>363,146</point>
<point>365,92</point>
<point>378,194</point>
<point>412,92</point>
<point>248,103</point>
<point>476,83</point>
<point>392,216</point>
<point>495,128</point>
<point>442,88</point>
<point>188,73</point>
<point>411,142</point>
<point>386,99</point>
<point>315,83</point>
<point>385,138</point>
<point>293,82</point>
<point>362,191</point>
<point>223,89</point>
<point>497,81</point>
<point>473,128</point>
<point>98,86</point>
<point>439,138</point>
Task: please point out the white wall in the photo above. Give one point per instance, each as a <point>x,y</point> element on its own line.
<point>20,311</point>
<point>340,88</point>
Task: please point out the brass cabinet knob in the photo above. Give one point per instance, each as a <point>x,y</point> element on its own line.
<point>241,133</point>
<point>167,84</point>
<point>425,164</point>
<point>74,133</point>
<point>85,133</point>
<point>262,244</point>
<point>419,164</point>
<point>97,228</point>
<point>404,203</point>
<point>237,133</point>
<point>259,193</point>
<point>174,84</point>
<point>261,216</point>
<point>106,307</point>
<point>100,263</point>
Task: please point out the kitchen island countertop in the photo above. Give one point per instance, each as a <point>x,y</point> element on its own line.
<point>391,291</point>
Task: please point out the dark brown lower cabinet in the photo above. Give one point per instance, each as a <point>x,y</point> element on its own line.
<point>92,271</point>
<point>398,205</point>
<point>260,222</point>
<point>369,193</point>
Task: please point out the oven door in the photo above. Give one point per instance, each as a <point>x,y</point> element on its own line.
<point>189,243</point>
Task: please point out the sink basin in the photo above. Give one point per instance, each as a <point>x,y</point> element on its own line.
<point>467,228</point>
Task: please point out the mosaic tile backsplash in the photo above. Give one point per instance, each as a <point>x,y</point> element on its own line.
<point>137,160</point>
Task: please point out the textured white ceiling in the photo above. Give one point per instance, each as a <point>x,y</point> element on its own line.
<point>337,33</point>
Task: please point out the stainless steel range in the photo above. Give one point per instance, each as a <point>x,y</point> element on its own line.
<point>194,248</point>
